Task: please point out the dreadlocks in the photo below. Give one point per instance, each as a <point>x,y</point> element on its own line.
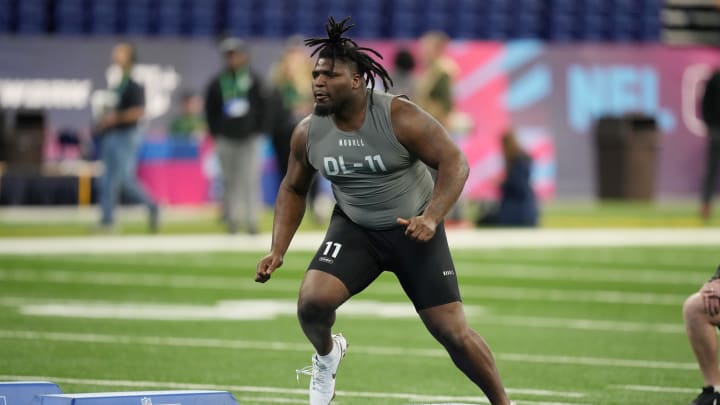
<point>336,46</point>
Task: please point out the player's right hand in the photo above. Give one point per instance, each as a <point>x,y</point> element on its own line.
<point>267,267</point>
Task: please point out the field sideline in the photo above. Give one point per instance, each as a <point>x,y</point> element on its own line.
<point>594,320</point>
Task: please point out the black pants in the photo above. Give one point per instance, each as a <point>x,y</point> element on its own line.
<point>711,165</point>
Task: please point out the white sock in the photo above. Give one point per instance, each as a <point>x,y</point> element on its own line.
<point>717,388</point>
<point>330,357</point>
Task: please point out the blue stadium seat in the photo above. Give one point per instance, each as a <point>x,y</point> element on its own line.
<point>6,13</point>
<point>406,6</point>
<point>312,5</point>
<point>340,9</point>
<point>437,6</point>
<point>496,27</point>
<point>527,6</point>
<point>202,18</point>
<point>306,21</point>
<point>437,21</point>
<point>102,17</point>
<point>595,7</point>
<point>239,17</point>
<point>650,7</point>
<point>649,29</point>
<point>168,17</point>
<point>465,26</point>
<point>135,17</point>
<point>590,28</point>
<point>495,6</point>
<point>564,7</point>
<point>621,27</point>
<point>69,16</point>
<point>32,17</point>
<point>560,27</point>
<point>626,7</point>
<point>272,22</point>
<point>369,23</point>
<point>468,7</point>
<point>404,25</point>
<point>526,26</point>
<point>244,5</point>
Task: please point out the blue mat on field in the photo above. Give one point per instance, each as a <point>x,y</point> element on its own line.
<point>140,398</point>
<point>23,392</point>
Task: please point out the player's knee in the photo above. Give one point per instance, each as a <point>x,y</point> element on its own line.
<point>453,338</point>
<point>313,310</point>
<point>693,307</point>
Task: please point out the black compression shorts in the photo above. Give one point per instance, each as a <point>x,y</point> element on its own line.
<point>358,255</point>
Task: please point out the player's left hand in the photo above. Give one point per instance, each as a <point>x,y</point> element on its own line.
<point>420,228</point>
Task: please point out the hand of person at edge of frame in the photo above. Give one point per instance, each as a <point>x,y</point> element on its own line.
<point>711,297</point>
<point>107,121</point>
<point>420,228</point>
<point>267,267</point>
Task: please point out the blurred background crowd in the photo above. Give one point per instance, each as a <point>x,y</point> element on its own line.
<point>192,102</point>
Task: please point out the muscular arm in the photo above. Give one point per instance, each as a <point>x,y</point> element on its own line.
<point>290,203</point>
<point>425,137</point>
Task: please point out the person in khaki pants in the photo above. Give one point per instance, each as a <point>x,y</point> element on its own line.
<point>234,112</point>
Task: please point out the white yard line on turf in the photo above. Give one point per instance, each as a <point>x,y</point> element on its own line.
<point>370,350</point>
<point>228,310</point>
<point>258,389</point>
<point>235,283</point>
<point>459,239</point>
<point>651,388</point>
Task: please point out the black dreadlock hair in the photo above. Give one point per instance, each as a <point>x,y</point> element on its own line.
<point>336,46</point>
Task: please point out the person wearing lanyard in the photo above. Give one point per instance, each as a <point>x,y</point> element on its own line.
<point>234,114</point>
<point>120,142</point>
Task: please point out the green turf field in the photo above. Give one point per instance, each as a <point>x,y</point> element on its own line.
<point>568,326</point>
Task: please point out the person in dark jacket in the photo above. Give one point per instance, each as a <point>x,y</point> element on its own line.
<point>234,113</point>
<point>518,205</point>
<point>711,116</point>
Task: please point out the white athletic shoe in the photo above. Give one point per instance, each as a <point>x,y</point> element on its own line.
<point>322,376</point>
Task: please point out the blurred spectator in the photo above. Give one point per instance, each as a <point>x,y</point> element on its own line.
<point>190,124</point>
<point>290,101</point>
<point>711,116</point>
<point>234,112</point>
<point>518,206</point>
<point>403,81</point>
<point>290,98</point>
<point>434,90</point>
<point>120,140</point>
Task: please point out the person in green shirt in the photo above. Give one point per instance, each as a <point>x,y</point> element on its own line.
<point>190,124</point>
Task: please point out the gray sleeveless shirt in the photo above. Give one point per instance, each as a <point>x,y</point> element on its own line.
<point>374,178</point>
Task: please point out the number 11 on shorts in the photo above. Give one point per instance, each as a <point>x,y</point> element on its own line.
<point>329,245</point>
